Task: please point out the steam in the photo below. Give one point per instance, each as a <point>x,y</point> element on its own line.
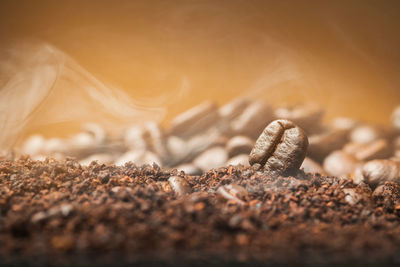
<point>41,85</point>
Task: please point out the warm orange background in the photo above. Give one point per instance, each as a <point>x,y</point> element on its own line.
<point>344,55</point>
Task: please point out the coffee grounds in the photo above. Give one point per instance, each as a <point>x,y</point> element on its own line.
<point>61,213</point>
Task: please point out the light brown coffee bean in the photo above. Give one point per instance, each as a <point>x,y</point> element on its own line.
<point>396,118</point>
<point>214,157</point>
<point>233,192</point>
<point>252,120</point>
<point>378,171</point>
<point>320,145</point>
<point>195,120</point>
<point>180,186</point>
<point>340,164</point>
<point>239,145</point>
<point>343,123</point>
<point>189,169</point>
<point>368,133</point>
<point>378,149</point>
<point>307,116</point>
<point>351,196</point>
<point>233,109</point>
<point>241,159</point>
<point>280,149</point>
<point>310,166</point>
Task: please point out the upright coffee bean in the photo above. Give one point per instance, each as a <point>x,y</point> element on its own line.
<point>280,149</point>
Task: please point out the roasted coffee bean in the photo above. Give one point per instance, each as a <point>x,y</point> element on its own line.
<point>378,149</point>
<point>233,192</point>
<point>189,169</point>
<point>367,134</point>
<point>280,149</point>
<point>233,109</point>
<point>252,120</point>
<point>154,137</point>
<point>241,159</point>
<point>139,157</point>
<point>214,157</point>
<point>378,171</point>
<point>311,166</point>
<point>179,185</point>
<point>340,164</point>
<point>320,145</point>
<point>239,145</point>
<point>396,118</point>
<point>343,123</point>
<point>307,116</point>
<point>195,120</point>
<point>351,196</point>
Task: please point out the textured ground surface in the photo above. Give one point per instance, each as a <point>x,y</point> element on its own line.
<point>61,212</point>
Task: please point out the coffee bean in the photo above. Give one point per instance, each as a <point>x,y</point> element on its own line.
<point>134,137</point>
<point>351,196</point>
<point>320,145</point>
<point>189,169</point>
<point>307,116</point>
<point>195,120</point>
<point>280,149</point>
<point>311,166</point>
<point>154,137</point>
<point>340,164</point>
<point>139,157</point>
<point>367,134</point>
<point>252,120</point>
<point>343,123</point>
<point>378,149</point>
<point>378,171</point>
<point>396,118</point>
<point>239,145</point>
<point>179,185</point>
<point>233,109</point>
<point>233,192</point>
<point>214,157</point>
<point>241,159</point>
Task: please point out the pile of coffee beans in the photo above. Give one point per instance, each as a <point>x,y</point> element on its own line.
<point>243,183</point>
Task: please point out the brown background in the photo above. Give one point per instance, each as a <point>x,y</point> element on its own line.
<point>344,55</point>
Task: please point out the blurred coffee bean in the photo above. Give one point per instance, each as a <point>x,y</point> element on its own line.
<point>180,186</point>
<point>177,149</point>
<point>367,134</point>
<point>280,149</point>
<point>102,158</point>
<point>310,166</point>
<point>241,159</point>
<point>214,157</point>
<point>233,192</point>
<point>378,149</point>
<point>33,145</point>
<point>239,145</point>
<point>154,138</point>
<point>351,196</point>
<point>189,169</point>
<point>340,164</point>
<point>233,109</point>
<point>195,120</point>
<point>139,157</point>
<point>343,123</point>
<point>54,145</point>
<point>378,171</point>
<point>396,118</point>
<point>134,137</point>
<point>379,191</point>
<point>252,120</point>
<point>96,131</point>
<point>307,116</point>
<point>320,145</point>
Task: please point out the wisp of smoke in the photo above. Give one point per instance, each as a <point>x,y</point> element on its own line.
<point>41,85</point>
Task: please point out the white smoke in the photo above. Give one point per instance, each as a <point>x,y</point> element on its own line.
<point>41,85</point>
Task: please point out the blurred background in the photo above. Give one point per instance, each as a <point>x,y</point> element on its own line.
<point>170,55</point>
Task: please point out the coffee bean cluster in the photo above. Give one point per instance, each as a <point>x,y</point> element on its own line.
<point>242,183</point>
